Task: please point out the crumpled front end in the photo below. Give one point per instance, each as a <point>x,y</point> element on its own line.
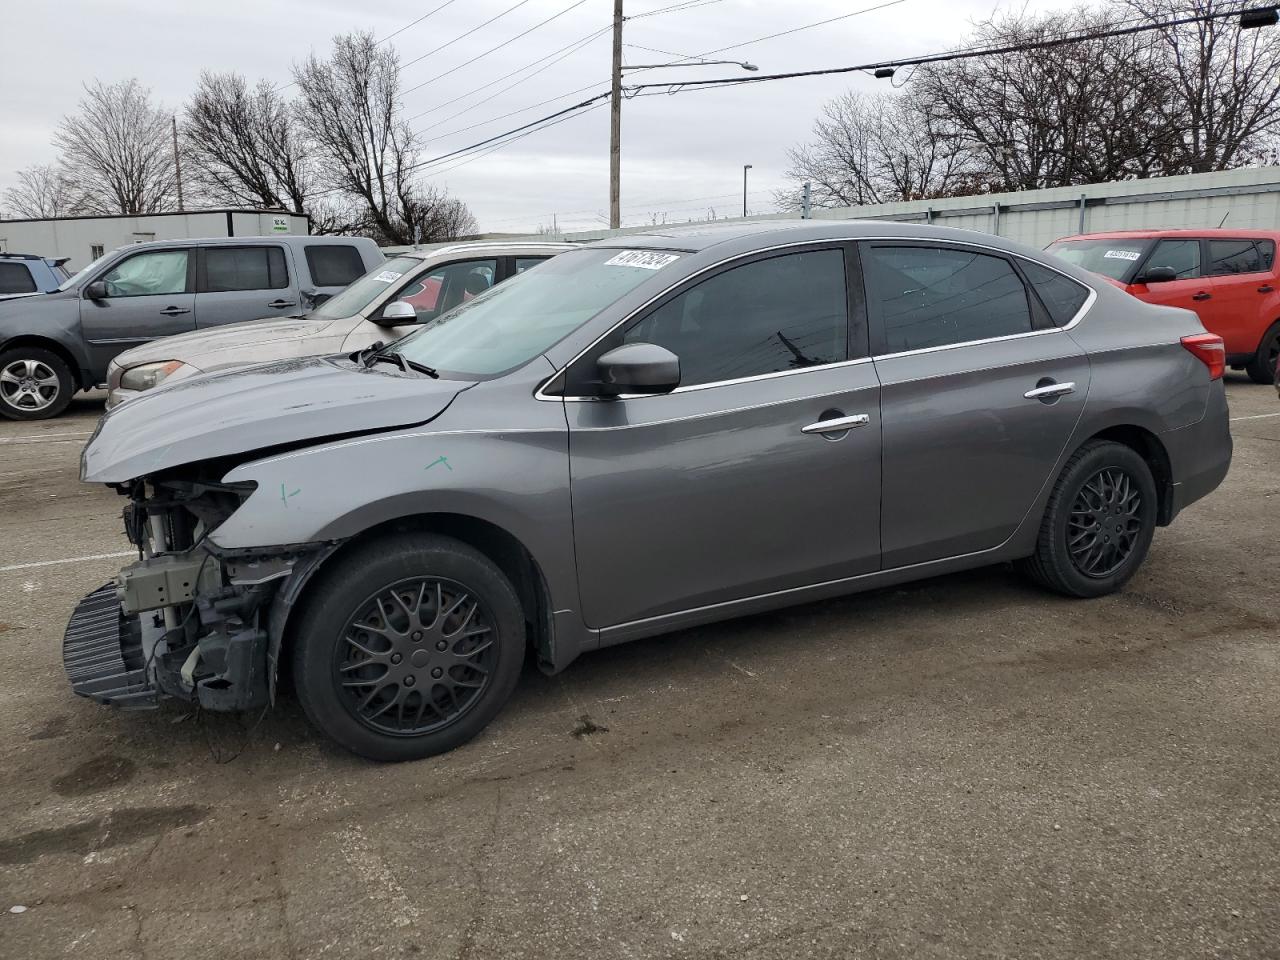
<point>185,620</point>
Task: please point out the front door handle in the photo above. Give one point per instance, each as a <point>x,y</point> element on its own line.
<point>838,424</point>
<point>174,311</point>
<point>1266,288</point>
<point>281,304</point>
<point>1050,391</point>
<point>1202,296</point>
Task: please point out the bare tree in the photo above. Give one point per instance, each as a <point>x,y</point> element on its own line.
<point>117,152</point>
<point>42,191</point>
<point>245,146</point>
<point>1226,80</point>
<point>432,215</point>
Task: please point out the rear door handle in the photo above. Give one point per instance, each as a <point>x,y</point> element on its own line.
<point>281,304</point>
<point>174,311</point>
<point>838,424</point>
<point>1202,296</point>
<point>1049,391</point>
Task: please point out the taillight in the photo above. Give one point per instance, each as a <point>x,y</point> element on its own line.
<point>1209,350</point>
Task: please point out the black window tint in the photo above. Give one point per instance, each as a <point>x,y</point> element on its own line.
<point>930,297</point>
<point>1182,255</point>
<point>334,265</point>
<point>1233,256</point>
<point>1267,251</point>
<point>1061,296</point>
<point>16,278</point>
<point>244,268</point>
<point>772,315</point>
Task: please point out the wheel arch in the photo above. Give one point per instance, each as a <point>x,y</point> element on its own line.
<point>1148,446</point>
<point>511,556</point>
<point>55,347</point>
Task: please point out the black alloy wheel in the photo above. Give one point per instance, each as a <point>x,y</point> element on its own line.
<point>1105,523</point>
<point>415,657</point>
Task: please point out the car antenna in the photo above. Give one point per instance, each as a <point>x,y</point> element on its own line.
<point>1224,219</point>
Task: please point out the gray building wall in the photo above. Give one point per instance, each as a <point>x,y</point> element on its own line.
<point>79,237</point>
<point>1244,199</point>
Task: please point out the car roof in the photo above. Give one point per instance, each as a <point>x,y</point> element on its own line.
<point>498,248</point>
<point>1209,233</point>
<point>250,239</point>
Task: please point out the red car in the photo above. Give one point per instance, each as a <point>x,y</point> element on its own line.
<point>1228,277</point>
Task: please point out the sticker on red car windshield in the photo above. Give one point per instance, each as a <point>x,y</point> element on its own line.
<point>644,259</point>
<point>388,276</point>
<point>1121,255</point>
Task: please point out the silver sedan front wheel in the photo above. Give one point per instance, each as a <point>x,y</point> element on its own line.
<point>34,384</point>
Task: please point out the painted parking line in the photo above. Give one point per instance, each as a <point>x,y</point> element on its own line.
<point>1257,416</point>
<point>49,438</point>
<point>42,436</point>
<point>52,563</point>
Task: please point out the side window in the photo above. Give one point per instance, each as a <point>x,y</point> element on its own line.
<point>16,278</point>
<point>443,288</point>
<point>333,264</point>
<point>148,274</point>
<point>1182,255</point>
<point>524,263</point>
<point>1227,257</point>
<point>1061,296</point>
<point>783,313</point>
<point>931,296</point>
<point>1267,251</point>
<point>244,268</point>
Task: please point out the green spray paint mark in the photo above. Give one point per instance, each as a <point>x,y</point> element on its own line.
<point>284,497</point>
<point>439,460</point>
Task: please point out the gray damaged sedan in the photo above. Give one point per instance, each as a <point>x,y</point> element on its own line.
<point>646,434</point>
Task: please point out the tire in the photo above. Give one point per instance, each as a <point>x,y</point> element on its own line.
<point>448,675</point>
<point>1101,475</point>
<point>35,384</point>
<point>1262,368</point>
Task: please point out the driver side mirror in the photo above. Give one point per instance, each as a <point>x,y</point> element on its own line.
<point>638,368</point>
<point>1158,275</point>
<point>96,291</point>
<point>396,313</point>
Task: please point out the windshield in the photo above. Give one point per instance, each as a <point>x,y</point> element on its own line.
<point>518,319</point>
<point>365,290</point>
<point>1114,258</point>
<point>74,281</point>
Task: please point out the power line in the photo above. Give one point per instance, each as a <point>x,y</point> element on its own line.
<point>576,45</point>
<point>675,8</point>
<point>485,153</point>
<point>414,23</point>
<point>463,36</point>
<point>503,116</point>
<point>481,56</point>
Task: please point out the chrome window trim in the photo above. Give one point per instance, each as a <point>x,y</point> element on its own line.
<point>828,241</point>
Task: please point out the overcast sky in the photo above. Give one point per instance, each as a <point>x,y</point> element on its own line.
<point>682,155</point>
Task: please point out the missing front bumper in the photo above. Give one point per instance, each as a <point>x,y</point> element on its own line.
<point>102,653</point>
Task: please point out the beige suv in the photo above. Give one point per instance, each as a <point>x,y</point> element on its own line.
<point>386,303</point>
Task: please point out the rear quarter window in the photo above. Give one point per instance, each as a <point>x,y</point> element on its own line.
<point>16,278</point>
<point>334,264</point>
<point>1061,296</point>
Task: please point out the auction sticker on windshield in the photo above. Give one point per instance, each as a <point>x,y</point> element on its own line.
<point>1121,255</point>
<point>645,259</point>
<point>387,276</point>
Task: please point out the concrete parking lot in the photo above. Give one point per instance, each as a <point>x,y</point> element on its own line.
<point>962,767</point>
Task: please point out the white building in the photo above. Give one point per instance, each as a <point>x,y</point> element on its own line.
<point>84,239</point>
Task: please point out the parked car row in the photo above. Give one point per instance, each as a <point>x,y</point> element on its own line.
<point>643,434</point>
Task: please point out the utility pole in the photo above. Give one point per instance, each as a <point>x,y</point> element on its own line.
<point>177,161</point>
<point>745,168</point>
<point>805,200</point>
<point>615,123</point>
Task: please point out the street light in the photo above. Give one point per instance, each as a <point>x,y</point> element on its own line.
<point>745,168</point>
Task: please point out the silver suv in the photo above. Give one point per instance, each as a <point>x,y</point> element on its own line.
<point>641,435</point>
<point>386,303</point>
<point>53,344</point>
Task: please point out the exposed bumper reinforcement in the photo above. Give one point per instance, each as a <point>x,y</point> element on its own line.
<point>102,653</point>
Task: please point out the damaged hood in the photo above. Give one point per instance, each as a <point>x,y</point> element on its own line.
<point>251,341</point>
<point>252,408</point>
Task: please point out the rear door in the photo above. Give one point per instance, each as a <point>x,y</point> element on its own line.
<point>150,294</point>
<point>235,283</point>
<point>1245,300</point>
<point>980,391</point>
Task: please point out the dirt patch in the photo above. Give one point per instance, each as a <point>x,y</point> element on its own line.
<point>112,830</point>
<point>586,727</point>
<point>52,728</point>
<point>100,773</point>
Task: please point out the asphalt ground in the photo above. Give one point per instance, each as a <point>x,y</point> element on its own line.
<point>964,767</point>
